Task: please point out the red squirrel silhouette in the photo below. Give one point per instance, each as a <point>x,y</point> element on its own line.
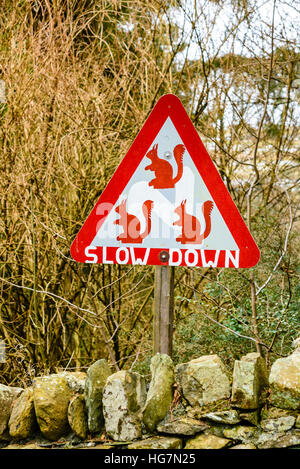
<point>163,169</point>
<point>131,224</point>
<point>191,227</point>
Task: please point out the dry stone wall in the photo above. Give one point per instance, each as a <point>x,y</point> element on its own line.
<point>196,405</point>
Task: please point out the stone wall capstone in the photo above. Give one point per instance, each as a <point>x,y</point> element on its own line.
<point>160,394</point>
<point>8,394</point>
<point>124,397</point>
<point>250,378</point>
<point>285,382</point>
<point>203,380</point>
<point>97,375</point>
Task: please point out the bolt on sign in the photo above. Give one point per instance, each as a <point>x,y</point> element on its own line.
<point>166,204</point>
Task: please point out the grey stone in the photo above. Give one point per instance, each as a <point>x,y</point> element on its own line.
<point>124,397</point>
<point>281,424</point>
<point>182,426</point>
<point>240,433</point>
<point>97,375</point>
<point>77,416</point>
<point>203,380</point>
<point>51,395</point>
<point>216,430</point>
<point>8,394</point>
<point>249,379</point>
<point>157,443</point>
<point>160,394</point>
<point>230,417</point>
<point>22,423</point>
<point>75,379</point>
<point>268,440</point>
<point>246,446</point>
<point>207,442</point>
<point>285,382</point>
<point>296,345</point>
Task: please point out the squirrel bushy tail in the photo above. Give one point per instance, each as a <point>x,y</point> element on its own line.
<point>206,209</point>
<point>178,155</point>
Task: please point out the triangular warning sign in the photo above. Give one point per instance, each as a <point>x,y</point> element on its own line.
<point>166,204</point>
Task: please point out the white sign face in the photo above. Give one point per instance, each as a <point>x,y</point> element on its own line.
<point>189,190</point>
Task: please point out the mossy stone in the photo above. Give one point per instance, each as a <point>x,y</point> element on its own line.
<point>22,423</point>
<point>160,394</point>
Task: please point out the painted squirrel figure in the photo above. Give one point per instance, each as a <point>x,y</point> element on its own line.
<point>191,227</point>
<point>131,224</point>
<point>163,169</point>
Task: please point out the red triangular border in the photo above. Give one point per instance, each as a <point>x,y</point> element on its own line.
<point>170,106</point>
